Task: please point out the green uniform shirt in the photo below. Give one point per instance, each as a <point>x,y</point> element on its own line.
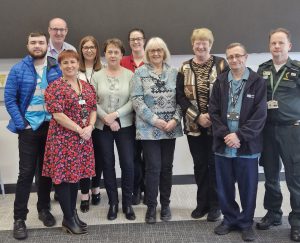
<point>287,93</point>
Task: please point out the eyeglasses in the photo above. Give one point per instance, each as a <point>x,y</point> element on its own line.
<point>159,51</point>
<point>62,30</point>
<point>86,48</point>
<point>237,56</point>
<point>138,39</point>
<point>113,52</point>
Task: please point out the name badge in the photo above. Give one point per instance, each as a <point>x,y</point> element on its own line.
<point>81,102</point>
<point>233,116</point>
<point>266,73</point>
<point>272,104</point>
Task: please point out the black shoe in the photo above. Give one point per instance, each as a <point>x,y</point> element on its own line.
<point>222,229</point>
<point>56,197</point>
<point>96,199</point>
<point>214,215</point>
<point>165,213</point>
<point>112,212</point>
<point>70,226</point>
<point>267,222</point>
<point>47,218</point>
<point>150,217</point>
<point>129,213</point>
<point>78,221</point>
<point>199,212</point>
<point>248,234</point>
<point>20,231</point>
<point>136,198</point>
<point>295,233</point>
<point>85,205</point>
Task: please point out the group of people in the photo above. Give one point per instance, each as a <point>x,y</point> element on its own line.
<point>69,110</point>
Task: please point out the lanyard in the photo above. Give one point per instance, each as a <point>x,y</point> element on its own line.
<point>277,84</point>
<point>235,95</point>
<point>89,81</point>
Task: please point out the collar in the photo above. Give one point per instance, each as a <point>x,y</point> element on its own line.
<point>244,77</point>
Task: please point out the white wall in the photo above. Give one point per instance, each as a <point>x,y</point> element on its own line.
<point>9,144</point>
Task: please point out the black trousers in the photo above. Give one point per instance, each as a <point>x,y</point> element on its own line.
<point>139,168</point>
<point>124,139</point>
<point>31,154</point>
<point>85,183</point>
<point>159,156</point>
<point>204,171</point>
<point>282,141</point>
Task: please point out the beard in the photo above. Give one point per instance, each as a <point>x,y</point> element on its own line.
<point>37,56</point>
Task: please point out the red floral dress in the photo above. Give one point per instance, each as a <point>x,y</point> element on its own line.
<point>67,158</point>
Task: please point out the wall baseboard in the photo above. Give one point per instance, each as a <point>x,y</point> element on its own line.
<point>177,180</point>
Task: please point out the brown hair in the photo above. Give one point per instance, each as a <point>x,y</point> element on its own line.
<point>97,64</point>
<point>67,54</point>
<point>37,34</point>
<point>283,30</point>
<point>116,42</point>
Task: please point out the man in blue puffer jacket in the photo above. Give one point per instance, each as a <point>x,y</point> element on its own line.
<point>24,101</point>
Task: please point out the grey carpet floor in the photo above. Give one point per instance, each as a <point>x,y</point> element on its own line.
<point>175,231</point>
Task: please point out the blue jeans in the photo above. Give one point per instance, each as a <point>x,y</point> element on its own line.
<point>124,139</point>
<point>31,154</point>
<point>245,172</point>
<point>159,156</point>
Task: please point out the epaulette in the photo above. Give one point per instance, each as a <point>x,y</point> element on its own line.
<point>295,63</point>
<point>267,63</point>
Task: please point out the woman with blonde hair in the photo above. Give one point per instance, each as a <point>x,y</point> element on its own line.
<point>158,124</point>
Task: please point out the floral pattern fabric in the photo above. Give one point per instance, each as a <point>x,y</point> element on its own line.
<point>67,157</point>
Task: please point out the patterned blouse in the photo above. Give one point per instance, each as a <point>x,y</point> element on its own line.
<point>154,97</point>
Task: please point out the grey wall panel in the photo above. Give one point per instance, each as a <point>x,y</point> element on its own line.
<point>231,20</point>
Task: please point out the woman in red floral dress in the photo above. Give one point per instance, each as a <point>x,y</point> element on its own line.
<point>69,154</point>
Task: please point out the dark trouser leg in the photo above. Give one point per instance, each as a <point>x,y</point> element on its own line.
<point>125,145</point>
<point>246,171</point>
<point>152,156</point>
<point>98,160</point>
<point>198,151</point>
<point>65,196</point>
<point>165,183</point>
<point>289,140</point>
<point>272,166</point>
<point>85,185</point>
<point>138,173</point>
<point>73,194</point>
<point>106,147</point>
<point>31,151</point>
<point>45,183</point>
<point>226,179</point>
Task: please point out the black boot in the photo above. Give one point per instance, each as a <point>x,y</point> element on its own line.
<point>78,221</point>
<point>96,198</point>
<point>151,215</point>
<point>129,213</point>
<point>70,226</point>
<point>112,212</point>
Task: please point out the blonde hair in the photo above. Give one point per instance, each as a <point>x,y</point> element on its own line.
<point>202,34</point>
<point>156,42</point>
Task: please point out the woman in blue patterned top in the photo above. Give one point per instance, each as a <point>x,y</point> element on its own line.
<point>158,123</point>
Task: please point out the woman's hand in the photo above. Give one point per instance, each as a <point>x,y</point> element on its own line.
<point>115,126</point>
<point>110,118</point>
<point>160,123</point>
<point>204,120</point>
<point>86,132</point>
<point>170,125</point>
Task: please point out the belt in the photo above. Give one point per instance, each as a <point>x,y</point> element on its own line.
<point>291,123</point>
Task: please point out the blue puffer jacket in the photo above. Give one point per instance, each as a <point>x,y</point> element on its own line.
<point>20,87</point>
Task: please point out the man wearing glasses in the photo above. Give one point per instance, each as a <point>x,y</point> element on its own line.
<point>282,132</point>
<point>58,31</point>
<point>238,111</point>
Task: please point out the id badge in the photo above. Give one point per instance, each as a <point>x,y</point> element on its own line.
<point>81,102</point>
<point>272,104</point>
<point>233,116</point>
